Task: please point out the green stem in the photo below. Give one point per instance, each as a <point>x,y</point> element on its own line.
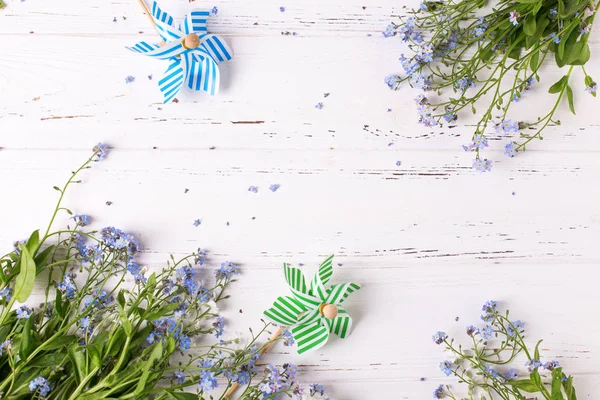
<point>83,383</point>
<point>548,118</point>
<point>116,368</point>
<point>62,194</point>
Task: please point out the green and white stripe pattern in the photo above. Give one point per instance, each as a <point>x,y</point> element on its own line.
<point>302,311</point>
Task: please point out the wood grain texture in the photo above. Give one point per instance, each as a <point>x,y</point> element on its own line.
<point>429,239</point>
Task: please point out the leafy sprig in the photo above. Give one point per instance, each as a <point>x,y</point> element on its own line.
<point>109,329</point>
<point>470,57</point>
<point>487,364</point>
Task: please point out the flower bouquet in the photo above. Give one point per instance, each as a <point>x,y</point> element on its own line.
<point>487,364</point>
<point>107,328</point>
<point>466,54</point>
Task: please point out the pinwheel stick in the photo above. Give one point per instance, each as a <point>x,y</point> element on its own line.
<point>265,348</point>
<point>148,14</point>
<point>191,41</point>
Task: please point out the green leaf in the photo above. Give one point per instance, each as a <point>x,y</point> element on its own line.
<point>155,355</point>
<point>154,315</point>
<point>529,26</point>
<point>572,48</point>
<point>115,342</point>
<point>121,299</point>
<point>561,7</point>
<point>33,243</point>
<point>101,338</point>
<point>47,360</point>
<point>536,379</point>
<point>5,265</point>
<point>569,389</point>
<point>571,8</point>
<point>139,311</point>
<point>556,393</point>
<point>536,353</point>
<point>559,61</point>
<point>487,54</point>
<point>171,345</point>
<point>42,257</point>
<point>566,42</point>
<point>94,351</point>
<point>126,324</point>
<point>50,329</point>
<point>26,278</point>
<point>96,396</point>
<point>528,1</point>
<point>20,387</point>
<point>27,344</point>
<point>530,41</point>
<point>58,304</point>
<point>139,337</point>
<point>151,284</point>
<point>124,375</point>
<point>542,22</point>
<point>525,385</point>
<point>78,360</point>
<point>558,86</point>
<point>4,331</point>
<point>515,53</point>
<point>570,98</point>
<point>534,61</point>
<point>59,341</point>
<point>183,396</point>
<point>560,52</point>
<point>580,54</point>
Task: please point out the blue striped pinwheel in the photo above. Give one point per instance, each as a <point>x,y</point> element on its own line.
<point>193,53</point>
<point>313,312</point>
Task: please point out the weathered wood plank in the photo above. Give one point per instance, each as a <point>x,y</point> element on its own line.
<point>429,239</point>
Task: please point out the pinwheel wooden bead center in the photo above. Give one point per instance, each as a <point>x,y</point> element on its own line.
<point>191,41</point>
<point>329,311</point>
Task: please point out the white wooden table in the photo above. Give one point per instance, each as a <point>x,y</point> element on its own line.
<point>430,239</point>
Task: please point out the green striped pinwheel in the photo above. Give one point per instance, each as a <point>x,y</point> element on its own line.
<point>313,312</point>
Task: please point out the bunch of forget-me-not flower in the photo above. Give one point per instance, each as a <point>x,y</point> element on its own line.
<point>463,54</point>
<point>498,364</point>
<point>108,328</point>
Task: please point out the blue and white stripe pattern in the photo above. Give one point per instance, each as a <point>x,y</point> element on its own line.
<point>195,67</point>
<point>195,22</point>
